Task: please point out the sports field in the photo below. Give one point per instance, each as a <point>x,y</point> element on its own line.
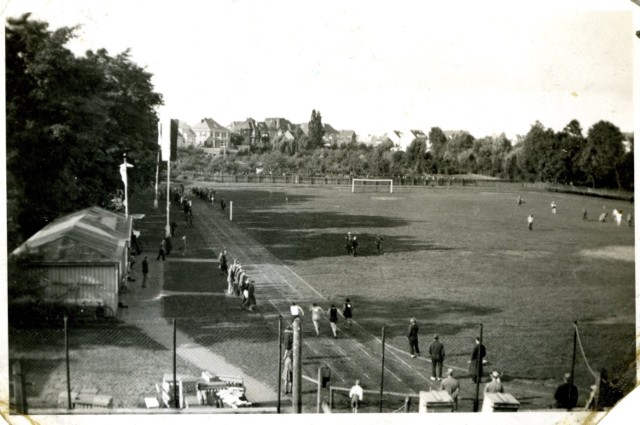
<point>458,258</point>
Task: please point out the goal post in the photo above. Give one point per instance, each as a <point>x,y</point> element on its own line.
<point>366,183</point>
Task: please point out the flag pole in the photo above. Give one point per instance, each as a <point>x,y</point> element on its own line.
<point>155,200</point>
<point>126,190</point>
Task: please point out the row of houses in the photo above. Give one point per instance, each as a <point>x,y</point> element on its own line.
<point>208,133</point>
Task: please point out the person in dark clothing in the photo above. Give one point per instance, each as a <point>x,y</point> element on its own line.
<point>566,394</point>
<point>161,251</point>
<point>347,241</point>
<point>477,356</point>
<point>173,227</point>
<point>347,312</point>
<point>333,320</point>
<point>222,258</point>
<point>379,243</point>
<point>168,247</point>
<point>436,351</point>
<point>354,246</point>
<point>145,271</point>
<point>412,336</point>
<point>223,204</point>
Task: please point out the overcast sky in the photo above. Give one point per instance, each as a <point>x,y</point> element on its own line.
<point>371,66</point>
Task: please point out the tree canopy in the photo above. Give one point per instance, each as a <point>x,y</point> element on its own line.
<point>69,121</point>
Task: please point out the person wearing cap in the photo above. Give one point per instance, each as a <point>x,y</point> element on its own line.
<point>477,356</point>
<point>436,351</point>
<point>451,385</point>
<point>566,394</point>
<point>412,336</point>
<point>495,386</point>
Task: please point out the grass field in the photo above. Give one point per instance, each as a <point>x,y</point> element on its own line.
<point>452,258</point>
<point>458,258</point>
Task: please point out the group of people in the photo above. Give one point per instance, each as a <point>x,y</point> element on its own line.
<point>352,244</point>
<point>617,214</point>
<point>317,314</point>
<point>238,281</point>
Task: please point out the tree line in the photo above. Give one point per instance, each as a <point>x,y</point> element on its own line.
<point>71,118</point>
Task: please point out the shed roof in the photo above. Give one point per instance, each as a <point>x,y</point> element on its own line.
<point>90,235</point>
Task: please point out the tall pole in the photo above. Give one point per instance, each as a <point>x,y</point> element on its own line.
<point>476,400</point>
<point>66,356</point>
<point>382,370</point>
<point>126,190</point>
<point>155,199</point>
<point>297,371</point>
<point>279,360</point>
<point>175,381</point>
<point>230,210</point>
<point>573,358</point>
<point>168,227</point>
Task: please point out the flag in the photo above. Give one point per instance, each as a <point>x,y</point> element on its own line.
<point>168,138</point>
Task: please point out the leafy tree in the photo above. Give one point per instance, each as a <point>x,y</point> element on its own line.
<point>602,153</point>
<point>69,121</point>
<point>438,141</point>
<point>316,131</point>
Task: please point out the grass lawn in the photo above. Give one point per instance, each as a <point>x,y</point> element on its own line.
<point>458,258</point>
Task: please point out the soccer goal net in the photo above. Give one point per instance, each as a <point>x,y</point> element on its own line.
<point>372,185</point>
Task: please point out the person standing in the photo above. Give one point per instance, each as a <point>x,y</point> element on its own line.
<point>519,200</point>
<point>451,385</point>
<point>495,386</point>
<point>145,271</point>
<point>183,245</point>
<point>333,320</point>
<point>347,240</point>
<point>355,395</point>
<point>477,356</point>
<point>223,204</point>
<point>316,315</point>
<point>168,246</point>
<point>554,207</point>
<point>379,243</point>
<point>222,259</point>
<point>584,214</point>
<point>161,250</point>
<point>566,394</point>
<point>436,351</point>
<point>530,222</point>
<point>231,274</point>
<point>347,312</point>
<point>287,373</point>
<point>173,227</point>
<point>354,246</point>
<point>412,336</point>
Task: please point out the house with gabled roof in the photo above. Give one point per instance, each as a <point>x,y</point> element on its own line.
<point>80,259</point>
<point>186,136</point>
<point>210,134</point>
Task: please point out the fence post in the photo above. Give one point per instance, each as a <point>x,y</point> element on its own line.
<point>19,389</point>
<point>279,361</point>
<point>176,401</point>
<point>66,356</point>
<point>331,398</point>
<point>573,358</point>
<point>297,364</point>
<point>230,210</point>
<point>476,400</point>
<point>382,371</point>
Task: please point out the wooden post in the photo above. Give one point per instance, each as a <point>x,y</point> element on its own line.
<point>175,382</point>
<point>19,389</point>
<point>230,210</point>
<point>476,400</point>
<point>279,361</point>
<point>573,358</point>
<point>319,395</point>
<point>331,392</point>
<point>66,356</point>
<point>297,369</point>
<point>382,371</point>
<point>407,404</point>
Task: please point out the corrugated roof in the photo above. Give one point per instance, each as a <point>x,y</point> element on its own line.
<point>92,234</point>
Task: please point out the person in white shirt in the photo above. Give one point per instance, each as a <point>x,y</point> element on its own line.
<point>316,315</point>
<point>530,222</point>
<point>356,394</point>
<point>296,311</point>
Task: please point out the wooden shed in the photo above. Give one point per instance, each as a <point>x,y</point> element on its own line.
<point>81,258</point>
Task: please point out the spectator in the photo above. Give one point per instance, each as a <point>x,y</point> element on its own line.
<point>161,250</point>
<point>412,336</point>
<point>477,356</point>
<point>566,394</point>
<point>355,394</point>
<point>451,385</point>
<point>145,271</point>
<point>287,373</point>
<point>495,386</point>
<point>436,351</point>
<point>222,259</point>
